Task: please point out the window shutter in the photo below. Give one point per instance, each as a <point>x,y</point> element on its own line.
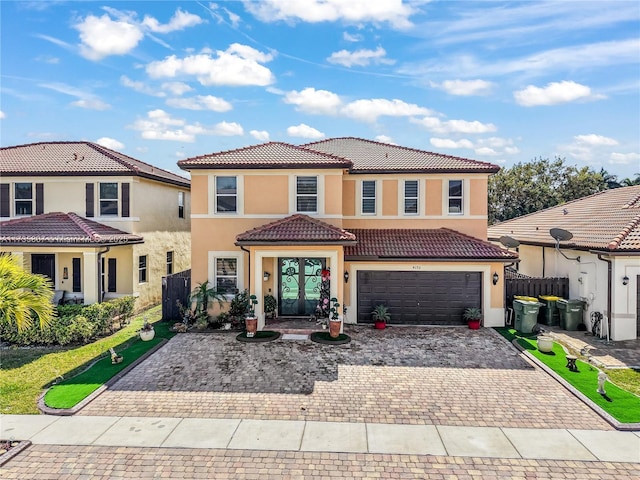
<point>77,287</point>
<point>125,200</point>
<point>5,205</point>
<point>112,275</point>
<point>89,199</point>
<point>39,198</point>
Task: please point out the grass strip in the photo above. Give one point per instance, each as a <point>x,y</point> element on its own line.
<point>72,391</point>
<point>619,403</point>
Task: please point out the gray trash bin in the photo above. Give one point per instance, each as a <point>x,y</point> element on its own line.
<point>570,313</point>
<point>526,313</point>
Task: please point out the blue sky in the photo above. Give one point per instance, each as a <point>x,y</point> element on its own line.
<point>502,82</point>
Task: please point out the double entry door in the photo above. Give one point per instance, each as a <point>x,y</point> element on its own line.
<point>299,282</point>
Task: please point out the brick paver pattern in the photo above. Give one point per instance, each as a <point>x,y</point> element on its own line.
<point>399,375</point>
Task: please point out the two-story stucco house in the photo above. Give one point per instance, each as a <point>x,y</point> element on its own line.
<point>393,225</point>
<point>99,223</point>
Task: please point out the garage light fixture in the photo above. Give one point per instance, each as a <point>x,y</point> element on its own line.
<point>625,280</point>
<point>495,278</point>
<point>346,276</point>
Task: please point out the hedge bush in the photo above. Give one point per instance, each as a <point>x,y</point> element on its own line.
<point>77,324</point>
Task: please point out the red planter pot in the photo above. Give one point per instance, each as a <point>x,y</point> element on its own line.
<point>474,324</point>
<point>380,325</point>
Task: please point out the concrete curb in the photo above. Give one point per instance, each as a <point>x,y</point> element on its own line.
<point>629,427</point>
<point>4,458</point>
<point>93,395</point>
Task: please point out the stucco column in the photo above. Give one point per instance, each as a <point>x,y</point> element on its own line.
<point>336,285</point>
<point>91,283</point>
<point>256,283</point>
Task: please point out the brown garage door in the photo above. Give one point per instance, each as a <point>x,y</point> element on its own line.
<point>419,298</point>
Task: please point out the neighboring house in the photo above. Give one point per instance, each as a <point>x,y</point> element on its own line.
<point>394,225</point>
<point>602,260</point>
<point>100,224</point>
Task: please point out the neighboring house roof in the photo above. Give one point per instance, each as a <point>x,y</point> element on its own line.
<point>296,229</point>
<point>375,157</point>
<point>78,159</point>
<point>266,155</point>
<point>62,229</point>
<point>606,221</point>
<point>432,244</point>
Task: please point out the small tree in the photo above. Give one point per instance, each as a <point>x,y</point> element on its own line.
<point>204,295</point>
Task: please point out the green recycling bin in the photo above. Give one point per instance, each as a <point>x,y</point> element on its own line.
<point>570,313</point>
<point>526,315</point>
<point>549,310</point>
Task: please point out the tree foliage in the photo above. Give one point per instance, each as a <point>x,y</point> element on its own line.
<point>24,296</point>
<point>541,183</point>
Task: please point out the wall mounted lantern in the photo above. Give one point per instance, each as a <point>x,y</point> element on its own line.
<point>625,280</point>
<point>495,278</point>
<point>346,276</point>
<point>266,276</point>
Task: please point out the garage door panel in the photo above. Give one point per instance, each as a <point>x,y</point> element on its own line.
<point>428,298</point>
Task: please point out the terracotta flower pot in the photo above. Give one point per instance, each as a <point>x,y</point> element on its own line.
<point>334,328</point>
<point>251,324</point>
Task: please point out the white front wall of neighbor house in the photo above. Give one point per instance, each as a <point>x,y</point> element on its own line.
<point>624,322</point>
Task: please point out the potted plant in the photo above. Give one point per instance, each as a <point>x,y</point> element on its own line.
<point>473,316</point>
<point>545,343</point>
<point>251,321</point>
<point>147,332</point>
<point>380,316</point>
<point>270,306</point>
<point>334,319</point>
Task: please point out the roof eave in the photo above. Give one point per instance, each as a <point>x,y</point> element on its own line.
<point>364,171</point>
<point>69,244</point>
<point>352,258</point>
<point>242,243</point>
<point>186,183</point>
<point>281,166</point>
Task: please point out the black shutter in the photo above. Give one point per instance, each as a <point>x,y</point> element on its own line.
<point>5,206</point>
<point>89,201</point>
<point>76,275</point>
<point>39,198</point>
<point>112,275</point>
<point>125,200</point>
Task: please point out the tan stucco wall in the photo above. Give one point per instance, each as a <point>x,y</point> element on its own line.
<point>348,197</point>
<point>333,195</point>
<point>266,194</point>
<point>156,207</point>
<point>469,226</point>
<point>479,195</point>
<point>200,193</point>
<point>390,197</point>
<point>433,197</point>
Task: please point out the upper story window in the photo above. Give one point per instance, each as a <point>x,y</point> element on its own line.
<point>227,275</point>
<point>108,199</point>
<point>307,194</point>
<point>142,269</point>
<point>455,196</point>
<point>169,263</point>
<point>369,197</point>
<point>24,198</point>
<point>410,197</point>
<point>180,204</point>
<point>226,195</point>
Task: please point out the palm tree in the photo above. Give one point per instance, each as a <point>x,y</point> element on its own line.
<point>203,296</point>
<point>24,296</point>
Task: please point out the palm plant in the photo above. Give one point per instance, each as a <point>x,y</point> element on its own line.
<point>381,313</point>
<point>24,296</point>
<point>204,295</point>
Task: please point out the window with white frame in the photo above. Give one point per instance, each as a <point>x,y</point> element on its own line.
<point>226,275</point>
<point>24,198</point>
<point>142,269</point>
<point>169,263</point>
<point>108,199</point>
<point>307,194</point>
<point>455,196</point>
<point>411,197</point>
<point>369,197</point>
<point>180,204</point>
<point>226,194</point>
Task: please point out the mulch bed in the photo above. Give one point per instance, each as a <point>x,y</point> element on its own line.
<point>326,339</point>
<point>259,337</point>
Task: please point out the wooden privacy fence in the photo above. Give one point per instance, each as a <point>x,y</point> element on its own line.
<point>534,287</point>
<point>176,287</point>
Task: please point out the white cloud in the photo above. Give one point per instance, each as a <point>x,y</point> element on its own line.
<point>310,100</point>
<point>553,94</point>
<point>624,158</point>
<point>111,143</point>
<point>436,125</point>
<point>201,102</point>
<point>239,65</point>
<point>384,139</point>
<point>159,125</point>
<point>140,87</point>
<point>2,115</point>
<point>304,131</point>
<point>91,104</point>
<point>485,151</point>
<point>48,59</point>
<point>260,135</point>
<point>176,88</point>
<point>593,139</point>
<point>449,143</point>
<point>495,146</point>
<point>352,37</point>
<point>465,87</point>
<point>394,12</point>
<point>179,21</point>
<point>360,58</point>
<point>369,110</point>
<point>101,36</point>
<point>227,129</point>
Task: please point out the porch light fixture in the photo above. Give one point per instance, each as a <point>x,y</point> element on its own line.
<point>266,276</point>
<point>346,276</point>
<point>625,280</point>
<point>495,278</point>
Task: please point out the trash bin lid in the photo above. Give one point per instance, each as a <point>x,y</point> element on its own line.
<point>527,303</point>
<point>563,301</point>
<point>526,298</point>
<point>575,301</point>
<point>550,298</point>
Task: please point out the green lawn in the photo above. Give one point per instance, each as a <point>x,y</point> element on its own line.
<point>619,403</point>
<point>25,372</point>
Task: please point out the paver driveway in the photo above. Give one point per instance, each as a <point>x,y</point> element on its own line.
<point>409,375</point>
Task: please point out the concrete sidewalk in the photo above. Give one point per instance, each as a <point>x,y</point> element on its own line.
<point>311,436</point>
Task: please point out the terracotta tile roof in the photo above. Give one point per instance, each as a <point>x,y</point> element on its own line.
<point>296,229</point>
<point>372,157</point>
<point>61,229</point>
<point>78,158</point>
<point>608,221</point>
<point>266,155</point>
<point>441,243</point>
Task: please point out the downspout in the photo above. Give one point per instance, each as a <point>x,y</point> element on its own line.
<point>609,283</point>
<point>544,260</point>
<point>249,264</point>
<point>100,292</point>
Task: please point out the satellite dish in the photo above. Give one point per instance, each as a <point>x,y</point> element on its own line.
<point>509,242</point>
<point>560,235</point>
